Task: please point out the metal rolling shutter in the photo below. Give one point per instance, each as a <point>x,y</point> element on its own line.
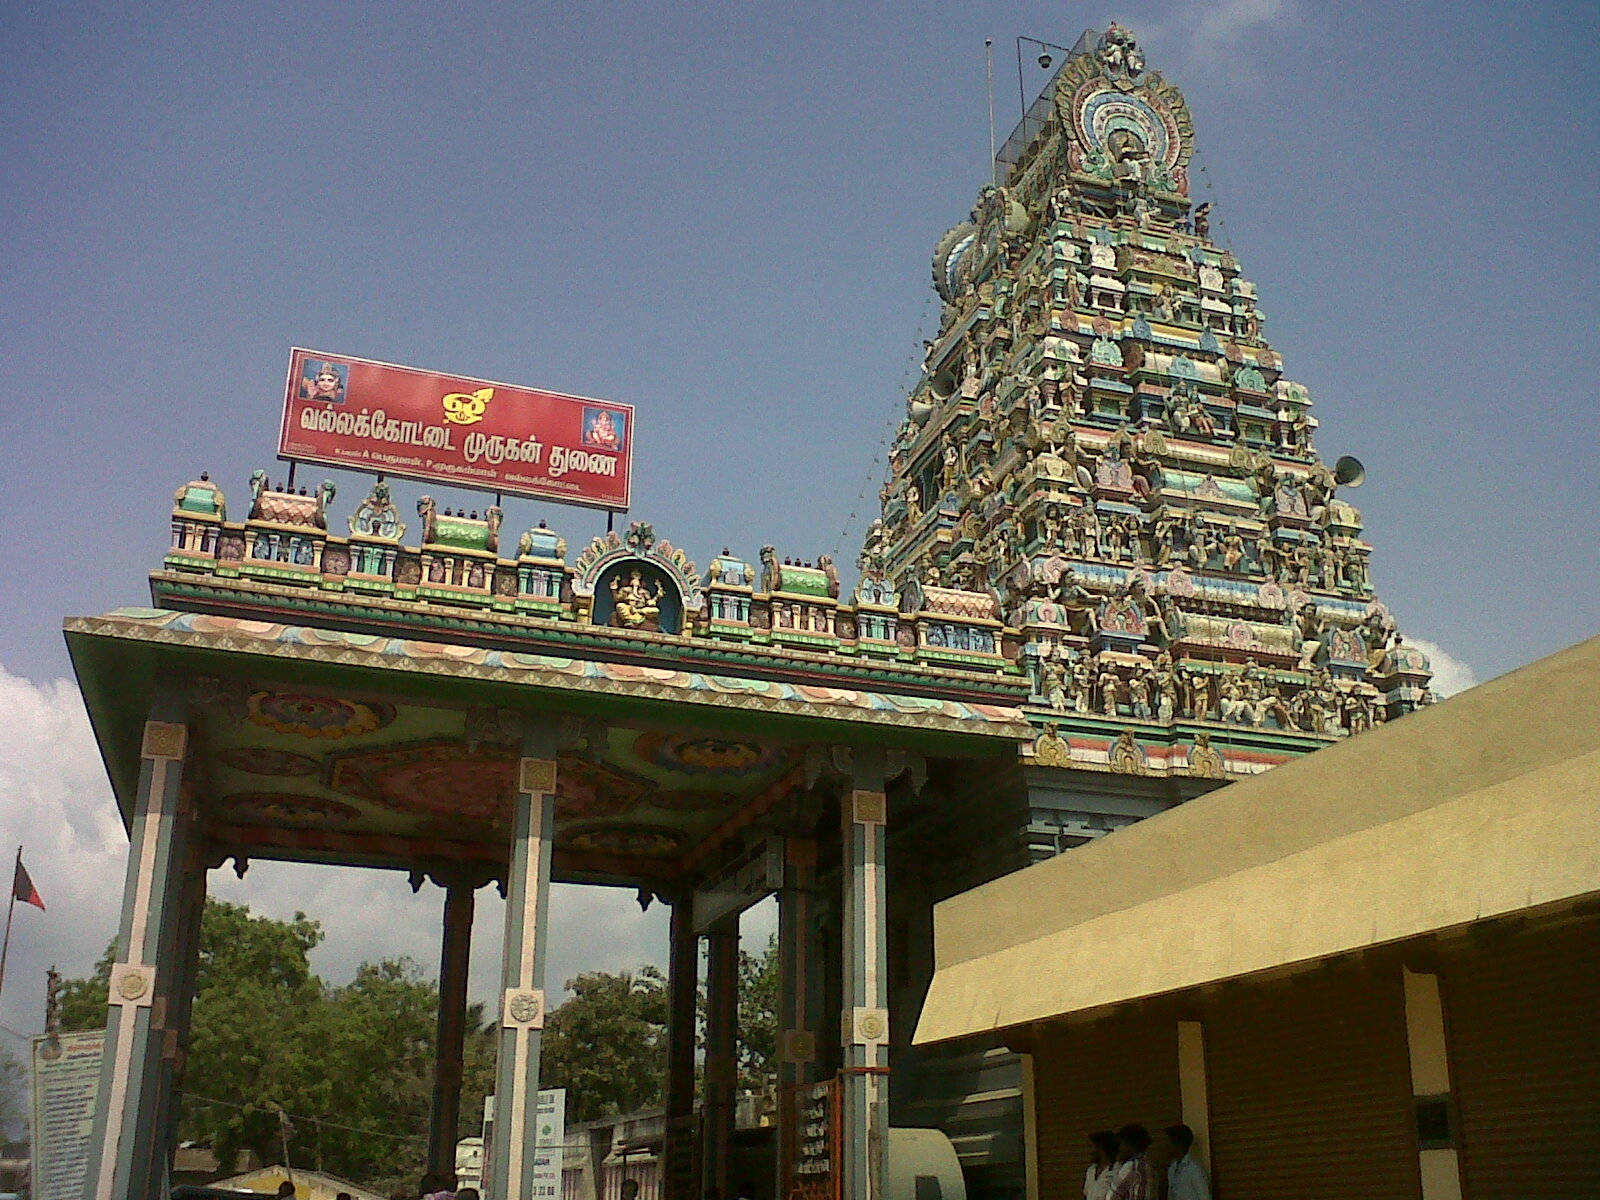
<point>1522,1008</point>
<point>1310,1088</point>
<point>1100,1077</point>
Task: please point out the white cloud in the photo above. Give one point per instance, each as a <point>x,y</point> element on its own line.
<point>1450,674</point>
<point>56,803</point>
<point>1220,28</point>
<point>1211,37</point>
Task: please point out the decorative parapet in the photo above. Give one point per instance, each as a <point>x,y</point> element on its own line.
<point>730,590</point>
<point>541,572</point>
<point>620,585</point>
<point>198,512</point>
<point>375,541</point>
<point>459,557</point>
<point>284,539</point>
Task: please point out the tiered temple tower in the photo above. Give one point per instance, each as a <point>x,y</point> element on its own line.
<point>1105,442</point>
<point>1111,574</point>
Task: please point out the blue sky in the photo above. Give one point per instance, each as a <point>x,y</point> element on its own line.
<point>723,214</point>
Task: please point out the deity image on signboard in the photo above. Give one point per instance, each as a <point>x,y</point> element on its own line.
<point>604,429</point>
<point>324,380</point>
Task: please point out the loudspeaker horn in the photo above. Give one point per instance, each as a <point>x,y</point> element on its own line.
<point>1348,472</point>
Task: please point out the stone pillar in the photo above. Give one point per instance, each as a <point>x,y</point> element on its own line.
<point>679,1180</point>
<point>722,1052</point>
<point>797,1038</point>
<point>174,1002</point>
<point>454,952</point>
<point>522,1000</point>
<point>865,1016</point>
<point>128,1141</point>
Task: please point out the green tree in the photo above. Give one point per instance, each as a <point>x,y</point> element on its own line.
<point>352,1067</point>
<point>257,1009</point>
<point>233,946</point>
<point>83,1001</point>
<point>607,1045</point>
<point>758,1018</point>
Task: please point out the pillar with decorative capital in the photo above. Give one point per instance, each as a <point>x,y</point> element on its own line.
<point>797,1030</point>
<point>864,973</point>
<point>683,988</point>
<point>513,1141</point>
<point>128,1141</point>
<point>174,1003</point>
<point>722,1052</point>
<point>460,900</point>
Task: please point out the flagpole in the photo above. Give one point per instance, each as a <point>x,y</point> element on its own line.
<point>5,947</point>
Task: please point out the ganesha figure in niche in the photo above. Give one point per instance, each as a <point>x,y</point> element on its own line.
<point>635,604</point>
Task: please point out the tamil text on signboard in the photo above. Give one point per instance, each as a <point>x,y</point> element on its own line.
<point>66,1079</point>
<point>472,433</point>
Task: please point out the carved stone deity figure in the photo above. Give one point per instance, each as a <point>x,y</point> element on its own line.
<point>1196,693</point>
<point>1088,530</point>
<point>1318,485</point>
<point>1149,608</point>
<point>1162,306</point>
<point>1053,679</point>
<point>1379,631</point>
<point>1232,552</point>
<point>1231,702</point>
<point>1270,558</point>
<point>1061,198</point>
<point>635,604</point>
<point>1082,684</point>
<point>1142,691</point>
<point>1172,620</point>
<point>1357,715</point>
<point>1049,525</point>
<point>1117,538</point>
<point>1130,159</point>
<point>1077,600</point>
<point>951,472</point>
<point>874,545</point>
<point>1107,685</point>
<point>1272,704</point>
<point>1166,679</point>
<point>1300,430</point>
<point>1162,536</point>
<point>1119,53</point>
<point>1305,565</point>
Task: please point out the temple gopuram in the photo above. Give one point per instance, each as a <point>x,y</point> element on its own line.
<point>1111,573</point>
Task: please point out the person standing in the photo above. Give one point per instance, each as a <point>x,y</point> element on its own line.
<point>1186,1178</point>
<point>1102,1172</point>
<point>1136,1181</point>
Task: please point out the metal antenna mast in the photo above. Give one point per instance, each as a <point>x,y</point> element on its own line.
<point>994,167</point>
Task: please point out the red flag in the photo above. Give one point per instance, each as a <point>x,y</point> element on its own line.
<point>22,887</point>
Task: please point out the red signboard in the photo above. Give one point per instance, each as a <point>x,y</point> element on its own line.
<point>471,433</point>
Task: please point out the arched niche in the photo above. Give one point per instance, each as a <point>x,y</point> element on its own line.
<point>628,587</point>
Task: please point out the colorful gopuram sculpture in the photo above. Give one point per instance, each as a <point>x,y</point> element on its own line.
<point>1104,443</point>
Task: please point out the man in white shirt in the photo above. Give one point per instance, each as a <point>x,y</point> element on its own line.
<point>1186,1178</point>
